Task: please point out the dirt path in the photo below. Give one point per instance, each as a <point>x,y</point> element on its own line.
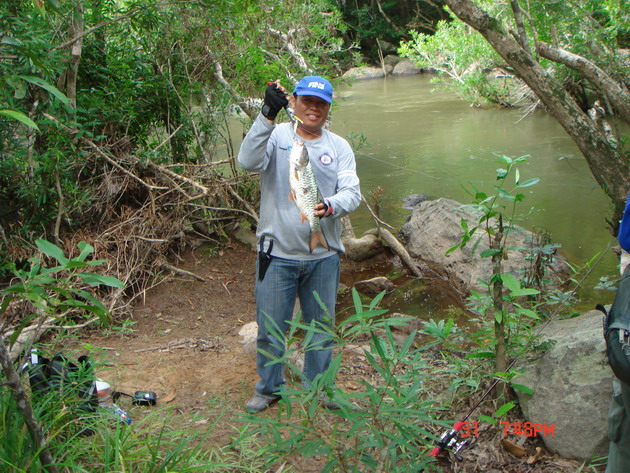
<point>183,343</point>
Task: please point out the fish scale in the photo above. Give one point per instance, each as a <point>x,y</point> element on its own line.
<point>304,191</point>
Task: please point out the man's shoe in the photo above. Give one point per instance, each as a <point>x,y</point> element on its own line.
<point>259,403</point>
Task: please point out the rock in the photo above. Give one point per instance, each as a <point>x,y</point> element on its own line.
<point>375,285</point>
<point>410,201</point>
<point>406,68</point>
<point>573,387</point>
<point>360,249</point>
<point>392,60</point>
<point>248,333</point>
<point>434,227</point>
<point>407,328</point>
<point>245,236</point>
<point>386,47</point>
<point>364,73</point>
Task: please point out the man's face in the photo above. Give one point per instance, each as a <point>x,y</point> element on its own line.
<point>312,110</point>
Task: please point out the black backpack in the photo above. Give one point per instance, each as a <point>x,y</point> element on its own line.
<point>64,377</point>
<point>617,330</point>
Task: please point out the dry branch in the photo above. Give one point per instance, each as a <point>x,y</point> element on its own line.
<point>391,241</point>
<point>182,271</point>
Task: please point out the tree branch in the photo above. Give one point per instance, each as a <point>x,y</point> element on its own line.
<point>618,97</point>
<point>67,43</point>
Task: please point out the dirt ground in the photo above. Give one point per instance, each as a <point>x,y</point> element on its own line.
<point>182,342</point>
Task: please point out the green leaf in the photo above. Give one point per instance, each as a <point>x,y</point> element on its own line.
<point>19,116</point>
<point>489,420</point>
<point>510,281</point>
<point>52,250</point>
<point>481,354</point>
<point>505,408</point>
<point>94,279</point>
<point>356,298</point>
<point>529,182</point>
<point>377,299</point>
<point>489,252</point>
<point>501,174</point>
<point>525,292</point>
<point>46,86</point>
<point>522,388</point>
<point>517,176</point>
<point>86,250</point>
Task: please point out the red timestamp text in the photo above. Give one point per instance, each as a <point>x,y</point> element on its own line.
<point>469,429</point>
<point>527,429</point>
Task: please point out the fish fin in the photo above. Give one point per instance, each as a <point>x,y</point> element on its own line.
<point>304,218</point>
<point>318,237</point>
<point>291,196</point>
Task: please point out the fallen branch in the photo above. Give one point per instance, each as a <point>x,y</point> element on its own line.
<point>391,241</point>
<point>182,271</point>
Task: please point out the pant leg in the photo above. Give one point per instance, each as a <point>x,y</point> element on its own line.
<point>322,276</point>
<point>619,429</point>
<point>275,299</point>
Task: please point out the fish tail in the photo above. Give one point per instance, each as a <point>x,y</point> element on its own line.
<point>318,238</point>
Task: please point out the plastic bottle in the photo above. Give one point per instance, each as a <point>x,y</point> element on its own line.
<point>116,411</point>
<point>104,401</point>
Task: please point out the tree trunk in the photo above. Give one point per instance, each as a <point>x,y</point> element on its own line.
<point>606,160</point>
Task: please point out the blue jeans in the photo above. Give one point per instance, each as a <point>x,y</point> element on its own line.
<point>275,299</point>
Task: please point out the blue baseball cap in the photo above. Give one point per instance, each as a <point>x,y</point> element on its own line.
<point>315,85</point>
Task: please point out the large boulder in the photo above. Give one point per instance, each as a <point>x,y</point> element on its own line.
<point>434,227</point>
<point>364,73</point>
<point>572,385</point>
<point>406,67</point>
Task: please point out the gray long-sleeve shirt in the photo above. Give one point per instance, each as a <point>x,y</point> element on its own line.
<point>266,150</point>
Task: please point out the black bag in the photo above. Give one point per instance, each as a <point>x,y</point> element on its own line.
<point>65,378</point>
<point>617,330</point>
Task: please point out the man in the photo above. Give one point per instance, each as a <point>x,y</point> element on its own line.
<point>619,412</point>
<point>288,265</point>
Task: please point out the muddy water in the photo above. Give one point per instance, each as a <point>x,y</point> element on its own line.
<point>412,138</point>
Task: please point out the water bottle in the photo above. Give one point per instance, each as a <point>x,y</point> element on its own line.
<point>116,411</point>
<point>104,401</point>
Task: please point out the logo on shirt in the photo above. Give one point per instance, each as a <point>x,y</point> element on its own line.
<point>325,159</point>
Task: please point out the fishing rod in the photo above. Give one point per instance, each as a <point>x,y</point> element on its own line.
<point>449,440</point>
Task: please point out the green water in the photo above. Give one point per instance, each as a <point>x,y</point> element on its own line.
<point>419,139</point>
<point>411,138</point>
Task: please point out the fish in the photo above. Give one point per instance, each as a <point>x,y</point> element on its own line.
<point>304,192</point>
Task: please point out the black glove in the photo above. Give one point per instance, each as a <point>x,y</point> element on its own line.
<point>275,100</point>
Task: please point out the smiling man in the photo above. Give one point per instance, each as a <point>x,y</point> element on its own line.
<point>288,267</point>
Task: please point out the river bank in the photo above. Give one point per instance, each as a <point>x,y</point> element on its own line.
<point>182,342</point>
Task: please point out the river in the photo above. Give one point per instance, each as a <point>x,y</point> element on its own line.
<point>411,137</point>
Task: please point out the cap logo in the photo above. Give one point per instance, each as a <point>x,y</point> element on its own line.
<point>316,85</point>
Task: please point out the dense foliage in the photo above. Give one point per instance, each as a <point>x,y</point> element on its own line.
<point>132,77</point>
<point>596,30</point>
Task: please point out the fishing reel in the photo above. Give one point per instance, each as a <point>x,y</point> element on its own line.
<point>449,440</point>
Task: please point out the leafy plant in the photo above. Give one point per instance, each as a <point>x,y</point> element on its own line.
<point>506,296</point>
<point>384,426</point>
